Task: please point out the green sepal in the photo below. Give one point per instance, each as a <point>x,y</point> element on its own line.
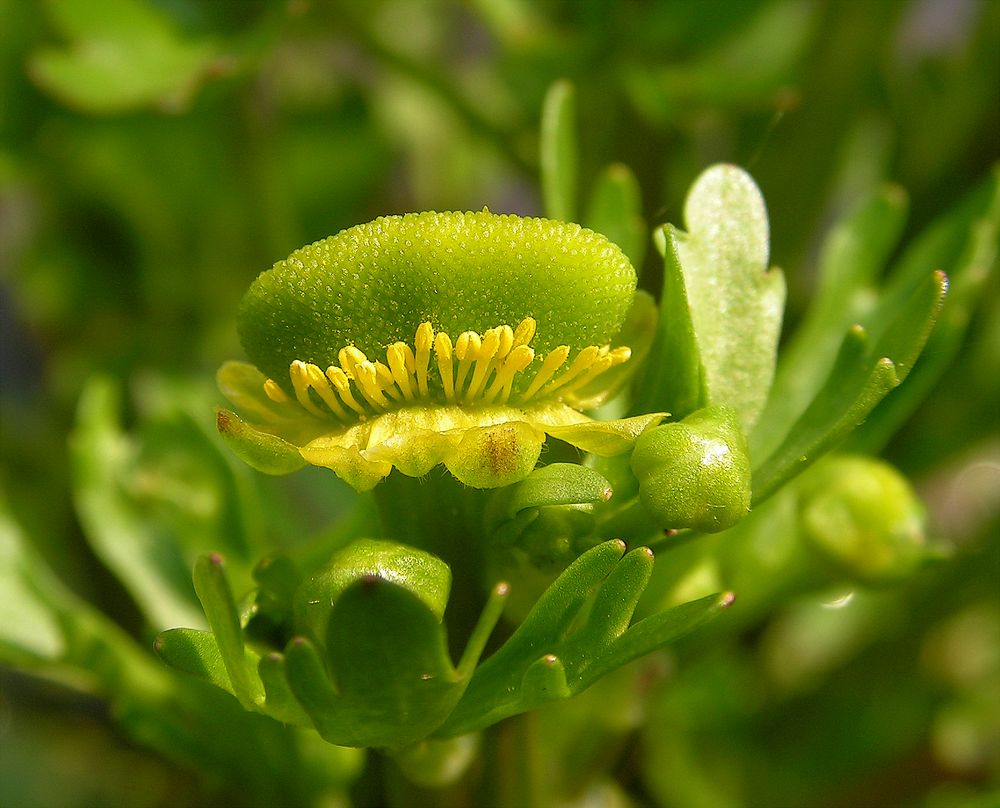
<point>554,484</point>
<point>194,652</point>
<point>673,378</point>
<point>695,473</point>
<point>260,450</point>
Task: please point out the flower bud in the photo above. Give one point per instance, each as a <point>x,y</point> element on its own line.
<point>695,473</point>
<point>864,516</point>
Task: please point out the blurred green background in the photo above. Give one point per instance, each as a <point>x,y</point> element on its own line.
<point>155,155</point>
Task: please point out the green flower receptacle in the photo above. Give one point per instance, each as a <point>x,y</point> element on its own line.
<point>695,473</point>
<point>863,516</point>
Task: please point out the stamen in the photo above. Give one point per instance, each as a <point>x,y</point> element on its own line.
<point>397,356</point>
<point>525,332</point>
<point>274,392</point>
<point>467,348</point>
<point>423,340</point>
<point>490,363</point>
<point>342,385</point>
<point>303,380</point>
<point>550,365</point>
<point>484,363</point>
<point>366,378</point>
<point>580,363</point>
<point>519,359</point>
<point>443,352</point>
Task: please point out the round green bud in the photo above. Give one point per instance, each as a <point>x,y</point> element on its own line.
<point>863,515</point>
<point>372,285</point>
<point>695,473</point>
<point>423,574</point>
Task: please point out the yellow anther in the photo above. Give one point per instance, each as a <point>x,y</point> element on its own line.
<point>444,354</point>
<point>423,340</point>
<point>467,348</point>
<point>366,378</point>
<point>601,364</point>
<point>550,365</point>
<point>387,384</point>
<point>274,392</point>
<point>396,355</point>
<point>580,364</point>
<point>506,341</point>
<point>302,381</point>
<point>350,357</point>
<point>517,361</point>
<point>342,385</point>
<point>484,363</point>
<point>525,332</point>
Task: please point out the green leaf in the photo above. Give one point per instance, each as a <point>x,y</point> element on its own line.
<point>615,211</point>
<point>123,54</point>
<point>195,652</point>
<point>217,600</point>
<point>151,568</point>
<point>29,626</point>
<point>864,373</point>
<point>735,302</point>
<point>965,244</point>
<point>559,152</point>
<point>853,257</point>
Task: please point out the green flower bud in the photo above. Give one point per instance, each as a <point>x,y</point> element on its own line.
<point>695,473</point>
<point>864,516</point>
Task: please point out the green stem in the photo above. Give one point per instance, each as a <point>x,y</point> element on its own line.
<point>438,514</point>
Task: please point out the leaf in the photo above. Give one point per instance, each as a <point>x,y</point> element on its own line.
<point>220,608</point>
<point>615,211</point>
<point>864,373</point>
<point>853,256</point>
<point>559,152</point>
<point>195,652</point>
<point>120,533</point>
<point>122,54</point>
<point>735,303</point>
<point>29,627</point>
<point>965,244</point>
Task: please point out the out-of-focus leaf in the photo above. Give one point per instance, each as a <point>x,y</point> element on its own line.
<point>559,152</point>
<point>965,245</point>
<point>615,211</point>
<point>145,560</point>
<point>122,54</point>
<point>29,628</point>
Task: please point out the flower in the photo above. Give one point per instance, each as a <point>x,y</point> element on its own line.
<point>460,339</point>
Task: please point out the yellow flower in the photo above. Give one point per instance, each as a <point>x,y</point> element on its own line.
<point>342,385</point>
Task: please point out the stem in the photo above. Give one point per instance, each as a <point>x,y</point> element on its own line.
<point>513,764</point>
<point>438,514</point>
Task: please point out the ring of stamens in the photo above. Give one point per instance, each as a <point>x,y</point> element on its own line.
<point>474,370</point>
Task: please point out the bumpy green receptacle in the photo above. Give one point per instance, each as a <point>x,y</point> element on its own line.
<point>373,284</point>
<point>695,473</point>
